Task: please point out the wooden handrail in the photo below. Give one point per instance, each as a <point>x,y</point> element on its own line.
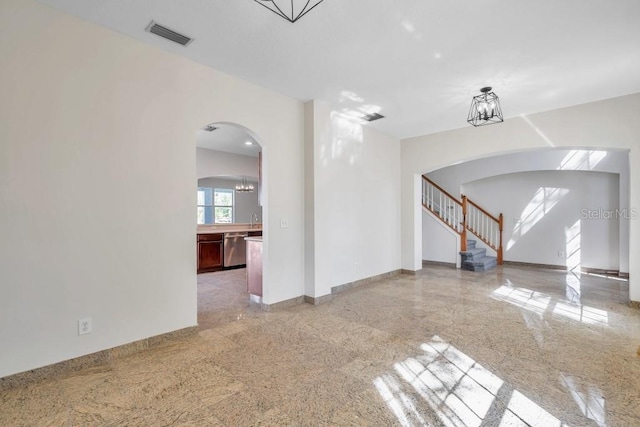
<point>500,223</point>
<point>463,235</point>
<point>447,201</point>
<point>465,220</point>
<point>482,210</point>
<point>442,190</point>
<point>488,243</point>
<point>445,222</point>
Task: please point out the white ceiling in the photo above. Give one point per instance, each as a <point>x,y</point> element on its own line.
<point>229,138</point>
<point>418,62</point>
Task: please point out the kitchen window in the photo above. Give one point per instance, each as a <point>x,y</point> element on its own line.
<point>223,205</point>
<point>205,205</point>
<point>215,206</point>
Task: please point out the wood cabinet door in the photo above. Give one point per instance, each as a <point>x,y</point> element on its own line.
<point>209,256</point>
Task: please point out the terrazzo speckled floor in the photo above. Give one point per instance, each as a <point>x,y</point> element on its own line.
<point>509,347</point>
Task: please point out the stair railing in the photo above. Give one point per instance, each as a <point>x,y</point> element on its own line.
<point>446,207</point>
<point>463,215</point>
<point>484,226</point>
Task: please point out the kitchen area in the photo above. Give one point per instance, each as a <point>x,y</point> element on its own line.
<point>221,248</point>
<point>229,220</point>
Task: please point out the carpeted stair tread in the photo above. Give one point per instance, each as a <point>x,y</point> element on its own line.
<point>474,251</point>
<point>483,264</point>
<point>476,259</point>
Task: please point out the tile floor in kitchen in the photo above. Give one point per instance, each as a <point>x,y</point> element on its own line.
<point>513,346</point>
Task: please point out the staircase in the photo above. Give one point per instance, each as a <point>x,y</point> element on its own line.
<point>476,259</point>
<point>465,216</point>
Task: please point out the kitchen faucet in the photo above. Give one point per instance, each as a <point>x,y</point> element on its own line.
<point>254,219</point>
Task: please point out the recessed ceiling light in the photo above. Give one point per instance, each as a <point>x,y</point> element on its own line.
<point>248,143</point>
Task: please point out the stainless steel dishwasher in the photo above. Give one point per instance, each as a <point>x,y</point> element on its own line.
<point>235,249</point>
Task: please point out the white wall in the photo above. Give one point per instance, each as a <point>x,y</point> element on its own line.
<point>608,124</point>
<point>356,198</point>
<point>544,215</point>
<point>244,204</point>
<point>97,174</point>
<point>453,179</point>
<point>439,242</point>
<point>220,163</point>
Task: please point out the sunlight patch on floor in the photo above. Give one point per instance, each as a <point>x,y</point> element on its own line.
<point>540,303</point>
<point>588,397</point>
<point>456,389</point>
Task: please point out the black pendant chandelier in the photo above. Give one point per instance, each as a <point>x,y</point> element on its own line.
<point>485,109</point>
<point>291,10</point>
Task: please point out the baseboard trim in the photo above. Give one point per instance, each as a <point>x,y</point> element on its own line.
<point>335,290</point>
<point>586,270</point>
<point>318,300</point>
<point>283,304</point>
<point>604,272</point>
<point>350,285</point>
<point>534,265</point>
<point>355,284</point>
<point>103,357</point>
<point>409,272</point>
<point>438,264</point>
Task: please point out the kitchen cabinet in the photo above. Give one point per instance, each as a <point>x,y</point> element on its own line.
<point>210,252</point>
<point>257,233</point>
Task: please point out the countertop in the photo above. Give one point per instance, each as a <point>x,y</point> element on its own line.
<point>254,239</point>
<point>231,228</point>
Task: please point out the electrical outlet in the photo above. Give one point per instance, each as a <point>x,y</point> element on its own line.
<point>284,223</point>
<point>84,326</point>
<point>560,254</point>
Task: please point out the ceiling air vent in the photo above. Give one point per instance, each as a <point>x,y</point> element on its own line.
<point>209,128</point>
<point>168,34</point>
<point>373,116</point>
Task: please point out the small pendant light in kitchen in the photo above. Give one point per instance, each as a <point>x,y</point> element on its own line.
<point>244,187</point>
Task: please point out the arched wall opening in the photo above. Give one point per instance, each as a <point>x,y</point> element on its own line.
<point>562,207</point>
<point>235,152</point>
<point>604,125</point>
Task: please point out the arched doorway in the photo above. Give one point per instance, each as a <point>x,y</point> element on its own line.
<point>550,198</point>
<point>231,205</point>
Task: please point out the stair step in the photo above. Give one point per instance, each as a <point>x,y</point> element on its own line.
<point>474,254</point>
<point>483,264</point>
<point>471,244</point>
